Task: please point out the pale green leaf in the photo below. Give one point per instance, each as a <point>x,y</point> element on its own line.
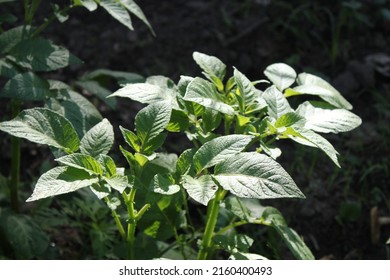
<point>179,121</point>
<point>281,75</point>
<point>212,65</point>
<point>98,140</point>
<point>26,87</point>
<point>83,162</point>
<point>151,121</point>
<point>200,189</point>
<point>118,182</point>
<point>89,4</point>
<point>43,126</point>
<point>310,84</point>
<point>41,55</point>
<point>204,93</point>
<point>277,103</point>
<point>162,184</point>
<point>247,90</point>
<point>293,241</point>
<point>246,209</point>
<point>146,93</point>
<point>120,76</point>
<point>220,149</point>
<point>328,120</point>
<point>246,256</point>
<point>136,10</point>
<point>253,175</point>
<point>60,180</point>
<point>308,137</point>
<point>117,11</point>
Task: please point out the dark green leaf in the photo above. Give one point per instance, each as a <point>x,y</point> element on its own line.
<point>26,86</point>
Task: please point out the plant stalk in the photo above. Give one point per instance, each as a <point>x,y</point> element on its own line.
<point>15,162</point>
<point>212,215</point>
<point>132,221</point>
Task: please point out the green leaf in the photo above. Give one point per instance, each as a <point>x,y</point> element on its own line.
<point>244,208</point>
<point>310,138</point>
<point>7,69</point>
<point>289,119</point>
<point>277,103</point>
<point>289,236</point>
<point>155,143</point>
<point>204,93</point>
<point>118,11</point>
<point>108,165</point>
<point>146,93</point>
<point>118,182</point>
<point>253,175</point>
<point>211,119</point>
<point>281,75</point>
<point>136,10</point>
<point>151,121</point>
<point>247,90</point>
<point>76,108</point>
<point>101,92</point>
<point>89,4</point>
<point>26,87</point>
<point>43,126</point>
<point>246,256</point>
<point>219,149</point>
<point>328,120</point>
<point>12,37</point>
<point>234,243</point>
<point>201,189</point>
<point>41,55</point>
<point>211,65</point>
<point>162,184</point>
<point>131,138</point>
<point>60,180</point>
<point>310,84</point>
<point>98,140</point>
<point>83,162</point>
<point>184,163</point>
<point>179,121</point>
<point>27,239</point>
<point>122,77</point>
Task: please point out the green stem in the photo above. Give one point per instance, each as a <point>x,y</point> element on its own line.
<point>48,21</point>
<point>132,221</point>
<point>118,222</point>
<point>212,215</point>
<point>15,162</point>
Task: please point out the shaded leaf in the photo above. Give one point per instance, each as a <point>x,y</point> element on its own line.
<point>162,184</point>
<point>26,86</point>
<point>117,11</point>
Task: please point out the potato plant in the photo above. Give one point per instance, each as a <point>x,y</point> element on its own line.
<point>230,168</point>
